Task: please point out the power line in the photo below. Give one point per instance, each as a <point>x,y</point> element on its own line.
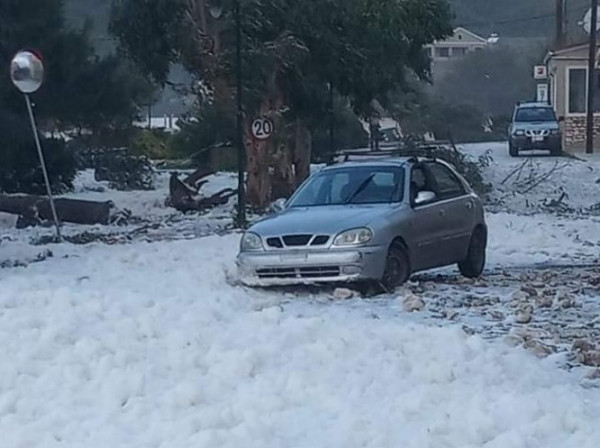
<point>520,19</point>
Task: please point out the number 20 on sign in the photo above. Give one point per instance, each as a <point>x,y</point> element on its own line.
<point>262,128</point>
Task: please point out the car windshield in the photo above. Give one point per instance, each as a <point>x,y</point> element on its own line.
<point>356,185</point>
<point>531,114</point>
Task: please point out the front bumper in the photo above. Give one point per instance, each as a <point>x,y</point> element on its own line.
<point>549,142</point>
<point>297,267</point>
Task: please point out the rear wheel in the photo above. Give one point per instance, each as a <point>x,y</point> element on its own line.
<point>397,267</point>
<point>472,266</point>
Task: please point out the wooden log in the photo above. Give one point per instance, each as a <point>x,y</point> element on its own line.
<point>75,211</point>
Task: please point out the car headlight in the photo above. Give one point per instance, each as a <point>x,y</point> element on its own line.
<point>251,241</point>
<point>354,237</point>
<point>554,132</point>
<point>519,132</point>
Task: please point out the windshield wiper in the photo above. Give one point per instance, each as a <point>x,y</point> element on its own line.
<point>360,188</point>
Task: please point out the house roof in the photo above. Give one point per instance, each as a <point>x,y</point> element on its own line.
<point>566,52</point>
<point>457,37</point>
<point>470,33</point>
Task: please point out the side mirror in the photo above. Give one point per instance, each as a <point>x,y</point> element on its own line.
<point>278,205</point>
<point>561,119</point>
<point>424,197</point>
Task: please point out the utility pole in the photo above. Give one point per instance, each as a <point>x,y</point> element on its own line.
<point>241,149</point>
<point>560,25</point>
<point>589,143</point>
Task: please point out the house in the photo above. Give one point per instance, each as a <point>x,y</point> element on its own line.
<point>461,43</point>
<point>567,70</point>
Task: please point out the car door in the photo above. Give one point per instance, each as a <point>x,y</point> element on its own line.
<point>425,228</point>
<point>456,208</point>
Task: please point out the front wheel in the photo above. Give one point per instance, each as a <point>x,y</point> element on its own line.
<point>397,267</point>
<point>514,152</point>
<point>472,266</point>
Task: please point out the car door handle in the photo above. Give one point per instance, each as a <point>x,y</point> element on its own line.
<point>469,205</point>
<point>442,212</point>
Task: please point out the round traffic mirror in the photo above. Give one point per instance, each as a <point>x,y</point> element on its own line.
<point>27,71</point>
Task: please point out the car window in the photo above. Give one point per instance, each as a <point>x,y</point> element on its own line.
<point>533,114</point>
<point>448,185</point>
<point>359,185</point>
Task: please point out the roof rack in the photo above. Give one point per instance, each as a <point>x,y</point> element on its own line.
<point>345,155</point>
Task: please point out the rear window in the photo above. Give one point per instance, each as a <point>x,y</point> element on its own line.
<point>529,114</point>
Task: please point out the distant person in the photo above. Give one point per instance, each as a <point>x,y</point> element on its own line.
<point>375,131</point>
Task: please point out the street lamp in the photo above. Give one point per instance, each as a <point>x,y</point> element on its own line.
<point>215,9</point>
<point>27,74</point>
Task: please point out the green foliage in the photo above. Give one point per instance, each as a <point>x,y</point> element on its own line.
<point>363,47</point>
<point>154,144</point>
<point>80,90</point>
<point>211,126</point>
<point>347,132</point>
<point>20,169</point>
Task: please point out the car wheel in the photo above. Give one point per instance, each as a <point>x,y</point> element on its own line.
<point>473,265</point>
<point>514,152</point>
<point>397,267</point>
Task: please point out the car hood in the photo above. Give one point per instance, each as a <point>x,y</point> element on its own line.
<point>535,126</point>
<point>327,220</point>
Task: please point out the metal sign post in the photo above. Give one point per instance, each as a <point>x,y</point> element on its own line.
<point>27,74</point>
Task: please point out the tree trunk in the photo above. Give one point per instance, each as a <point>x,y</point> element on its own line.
<point>68,210</point>
<point>260,152</point>
<point>302,151</point>
<point>283,179</point>
<point>258,185</point>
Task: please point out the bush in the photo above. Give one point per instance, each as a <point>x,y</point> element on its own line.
<point>153,143</point>
<point>20,169</point>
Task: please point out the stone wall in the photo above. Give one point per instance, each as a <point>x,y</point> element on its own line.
<point>574,131</point>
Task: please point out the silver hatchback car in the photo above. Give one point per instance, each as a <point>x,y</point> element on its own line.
<point>377,220</point>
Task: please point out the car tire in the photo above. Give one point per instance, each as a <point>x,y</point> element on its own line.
<point>556,152</point>
<point>474,264</point>
<point>397,267</point>
<point>514,152</point>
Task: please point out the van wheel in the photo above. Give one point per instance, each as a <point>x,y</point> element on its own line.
<point>473,265</point>
<point>397,267</point>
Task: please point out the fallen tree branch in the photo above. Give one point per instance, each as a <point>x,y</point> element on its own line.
<point>544,177</point>
<point>512,173</point>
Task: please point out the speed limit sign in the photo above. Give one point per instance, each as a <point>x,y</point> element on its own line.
<point>262,128</point>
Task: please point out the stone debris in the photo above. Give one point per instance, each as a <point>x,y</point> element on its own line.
<point>344,294</point>
<point>413,303</point>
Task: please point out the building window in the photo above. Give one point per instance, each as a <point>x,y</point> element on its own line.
<point>577,90</point>
<point>443,52</point>
<point>459,51</point>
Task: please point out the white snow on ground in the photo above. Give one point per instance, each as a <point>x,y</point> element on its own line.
<point>144,204</point>
<point>578,177</point>
<point>146,345</point>
<point>516,240</point>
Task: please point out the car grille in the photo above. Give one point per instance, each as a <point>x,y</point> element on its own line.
<point>538,132</point>
<point>297,241</point>
<point>303,272</point>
